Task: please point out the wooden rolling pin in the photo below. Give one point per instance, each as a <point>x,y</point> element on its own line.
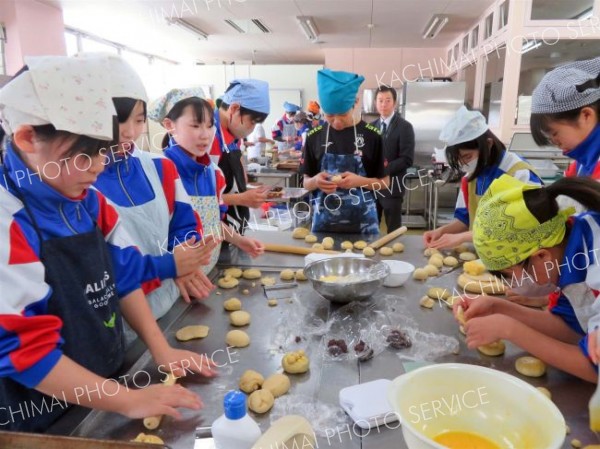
<point>152,422</point>
<point>290,249</point>
<point>388,237</point>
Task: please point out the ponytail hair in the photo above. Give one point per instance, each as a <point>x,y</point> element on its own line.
<point>165,141</point>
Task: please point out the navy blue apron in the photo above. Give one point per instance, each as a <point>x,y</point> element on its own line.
<point>84,297</point>
<point>351,211</point>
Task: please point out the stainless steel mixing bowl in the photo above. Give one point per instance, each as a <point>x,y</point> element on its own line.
<point>364,277</point>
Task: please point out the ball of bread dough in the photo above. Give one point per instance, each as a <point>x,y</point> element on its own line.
<point>246,291</point>
<point>368,251</point>
<point>310,238</point>
<point>272,302</point>
<point>436,260</point>
<point>466,256</point>
<point>268,281</point>
<point>228,282</point>
<point>146,438</point>
<point>530,366</point>
<point>286,275</point>
<point>426,302</point>
<point>233,272</point>
<point>300,276</point>
<point>451,301</point>
<point>318,246</point>
<point>386,251</point>
<point>461,249</point>
<point>300,233</point>
<point>239,318</point>
<point>432,270</point>
<point>295,362</point>
<point>420,274</point>
<point>232,304</point>
<point>438,293</point>
<point>336,178</point>
<point>360,244</point>
<point>237,339</point>
<point>191,332</point>
<point>398,247</point>
<point>277,384</point>
<point>251,381</point>
<point>493,349</point>
<point>261,401</point>
<point>545,392</point>
<point>347,245</point>
<point>430,252</point>
<point>251,273</point>
<point>327,243</point>
<point>450,261</point>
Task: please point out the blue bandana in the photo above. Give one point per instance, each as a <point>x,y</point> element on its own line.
<point>337,90</point>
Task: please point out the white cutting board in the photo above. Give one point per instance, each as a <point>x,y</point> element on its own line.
<point>367,403</point>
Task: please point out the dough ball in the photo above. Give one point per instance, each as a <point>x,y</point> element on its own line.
<point>432,270</point>
<point>368,251</point>
<point>398,247</point>
<point>310,238</point>
<point>327,243</point>
<point>261,401</point>
<point>318,246</point>
<point>286,275</point>
<point>144,438</point>
<point>420,274</point>
<point>237,339</point>
<point>467,256</point>
<point>386,251</point>
<point>300,233</point>
<point>272,302</point>
<point>277,384</point>
<point>295,362</point>
<point>233,272</point>
<point>191,332</point>
<point>360,244</point>
<point>436,260</point>
<point>438,293</point>
<point>493,349</point>
<point>251,381</point>
<point>530,366</point>
<point>347,245</point>
<point>239,318</point>
<point>251,273</point>
<point>451,301</point>
<point>228,282</point>
<point>246,291</point>
<point>461,249</point>
<point>430,252</point>
<point>426,302</point>
<point>545,392</point>
<point>232,304</point>
<point>300,276</point>
<point>336,178</point>
<point>450,261</point>
<point>268,281</point>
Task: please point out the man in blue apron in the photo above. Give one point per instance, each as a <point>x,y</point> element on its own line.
<point>343,160</point>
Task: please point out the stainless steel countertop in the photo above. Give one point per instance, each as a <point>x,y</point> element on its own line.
<point>325,379</point>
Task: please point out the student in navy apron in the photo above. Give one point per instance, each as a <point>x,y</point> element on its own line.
<point>343,160</point>
<point>189,117</point>
<point>66,274</point>
<point>244,104</point>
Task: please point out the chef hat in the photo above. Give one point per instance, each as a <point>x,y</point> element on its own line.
<point>338,90</point>
<point>249,93</point>
<point>159,108</point>
<point>290,107</point>
<point>463,127</point>
<point>571,86</point>
<point>72,94</point>
<point>313,107</point>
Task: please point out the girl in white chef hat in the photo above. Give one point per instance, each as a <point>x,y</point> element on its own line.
<point>67,273</point>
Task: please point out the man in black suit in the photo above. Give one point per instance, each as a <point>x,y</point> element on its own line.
<point>399,150</point>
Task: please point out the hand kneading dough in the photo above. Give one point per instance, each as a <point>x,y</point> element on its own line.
<point>228,282</point>
<point>398,247</point>
<point>420,274</point>
<point>467,256</point>
<point>450,261</point>
<point>530,366</point>
<point>295,362</point>
<point>438,293</point>
<point>436,260</point>
<point>327,243</point>
<point>233,272</point>
<point>286,275</point>
<point>300,276</point>
<point>251,273</point>
<point>347,245</point>
<point>361,244</point>
<point>268,280</point>
<point>251,381</point>
<point>191,332</point>
<point>237,339</point>
<point>368,251</point>
<point>239,318</point>
<point>451,301</point>
<point>300,233</point>
<point>426,302</point>
<point>493,349</point>
<point>232,304</point>
<point>261,401</point>
<point>432,270</point>
<point>310,238</point>
<point>277,384</point>
<point>317,246</point>
<point>386,251</point>
<point>152,439</point>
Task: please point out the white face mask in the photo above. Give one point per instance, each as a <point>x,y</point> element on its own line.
<point>470,167</point>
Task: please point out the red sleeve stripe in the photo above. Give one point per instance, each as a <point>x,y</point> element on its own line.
<point>464,186</point>
<point>150,286</point>
<point>571,170</point>
<point>169,175</point>
<point>20,250</point>
<point>107,215</point>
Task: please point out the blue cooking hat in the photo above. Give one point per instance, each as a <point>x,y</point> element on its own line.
<point>249,93</point>
<point>290,107</point>
<point>337,90</point>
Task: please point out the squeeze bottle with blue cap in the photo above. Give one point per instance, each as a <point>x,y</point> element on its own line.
<point>235,429</point>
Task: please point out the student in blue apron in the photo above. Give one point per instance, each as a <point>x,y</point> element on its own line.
<point>67,273</point>
<point>287,120</point>
<point>244,104</point>
<point>145,188</point>
<point>343,160</point>
<point>189,121</point>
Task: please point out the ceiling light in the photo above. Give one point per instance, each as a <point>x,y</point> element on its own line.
<point>307,24</point>
<point>435,25</point>
<point>261,26</point>
<point>235,26</point>
<point>188,27</point>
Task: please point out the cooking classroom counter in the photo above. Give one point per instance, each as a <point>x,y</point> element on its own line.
<point>326,377</point>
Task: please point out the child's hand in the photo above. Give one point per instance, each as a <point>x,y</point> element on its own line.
<point>159,400</point>
<point>530,301</point>
<point>446,241</point>
<point>431,236</point>
<point>488,329</point>
<point>254,198</point>
<point>475,306</point>
<point>593,347</point>
<point>195,285</point>
<point>180,362</point>
<point>253,247</point>
<point>350,180</point>
<point>192,254</point>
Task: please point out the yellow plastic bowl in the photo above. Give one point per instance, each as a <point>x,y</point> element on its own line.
<point>468,398</point>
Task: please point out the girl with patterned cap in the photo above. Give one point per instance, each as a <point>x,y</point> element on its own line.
<point>68,272</point>
<point>474,150</point>
<point>521,234</point>
<point>190,125</point>
<point>146,188</point>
